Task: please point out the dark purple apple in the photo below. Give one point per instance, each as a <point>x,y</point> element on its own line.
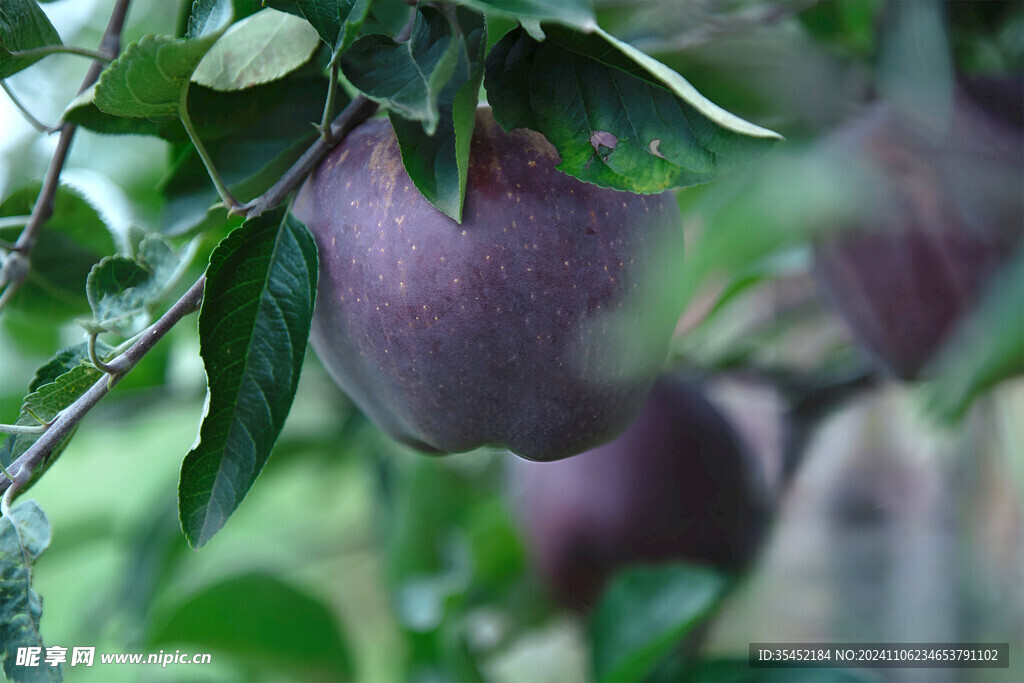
<point>538,324</point>
<point>946,213</point>
<point>678,484</point>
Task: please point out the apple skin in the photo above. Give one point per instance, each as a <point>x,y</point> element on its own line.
<point>538,324</point>
<point>678,484</point>
<point>946,214</point>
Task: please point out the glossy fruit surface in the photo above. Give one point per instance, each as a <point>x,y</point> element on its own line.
<point>678,484</point>
<point>538,324</point>
<point>946,213</point>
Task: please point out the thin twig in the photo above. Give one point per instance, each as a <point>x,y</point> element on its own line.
<point>25,113</point>
<point>24,466</point>
<point>227,198</point>
<point>22,429</point>
<point>110,45</point>
<point>11,222</point>
<point>47,50</point>
<point>357,111</point>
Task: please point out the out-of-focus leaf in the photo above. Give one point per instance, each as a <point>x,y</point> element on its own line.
<point>781,202</point>
<point>262,620</point>
<point>740,671</point>
<point>847,23</point>
<point>645,612</point>
<point>23,26</point>
<point>617,117</point>
<point>407,78</point>
<point>253,327</point>
<point>151,77</point>
<point>259,49</point>
<point>578,14</point>
<point>24,535</point>
<point>449,545</point>
<point>439,164</point>
<point>75,238</point>
<point>496,549</point>
<point>914,64</point>
<point>985,348</point>
<point>336,21</point>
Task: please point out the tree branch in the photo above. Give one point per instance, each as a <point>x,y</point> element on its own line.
<point>357,111</point>
<point>110,46</point>
<point>24,466</point>
<point>809,406</point>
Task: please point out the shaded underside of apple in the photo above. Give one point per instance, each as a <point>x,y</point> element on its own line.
<point>538,324</point>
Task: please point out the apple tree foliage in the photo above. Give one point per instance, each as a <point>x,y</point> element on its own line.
<point>233,89</point>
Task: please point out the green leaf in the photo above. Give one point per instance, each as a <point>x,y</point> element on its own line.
<point>44,402</point>
<point>64,360</point>
<point>123,290</point>
<point>82,111</point>
<point>439,164</point>
<point>24,535</point>
<point>23,26</point>
<point>261,48</point>
<point>740,671</point>
<point>336,21</point>
<point>51,398</point>
<point>985,348</point>
<point>265,622</point>
<point>159,258</point>
<point>217,115</point>
<point>645,612</point>
<point>75,238</point>
<point>113,283</point>
<point>151,77</point>
<point>573,13</point>
<point>208,19</point>
<point>407,78</point>
<point>617,117</point>
<point>253,328</point>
